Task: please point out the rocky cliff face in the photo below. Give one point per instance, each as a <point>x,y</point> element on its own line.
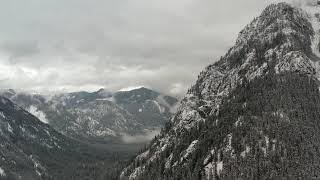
<point>254,114</point>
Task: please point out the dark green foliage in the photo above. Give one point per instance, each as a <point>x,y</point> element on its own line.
<point>259,107</point>
<point>285,108</point>
<point>296,153</point>
<point>29,147</point>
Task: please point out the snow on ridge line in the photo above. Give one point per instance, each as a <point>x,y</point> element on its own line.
<point>130,88</point>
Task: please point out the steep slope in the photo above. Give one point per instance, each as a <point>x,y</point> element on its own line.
<point>254,114</point>
<point>99,114</point>
<point>30,149</point>
<point>151,108</point>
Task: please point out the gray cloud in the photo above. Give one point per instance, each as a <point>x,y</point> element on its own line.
<point>20,49</point>
<point>145,138</point>
<point>72,45</point>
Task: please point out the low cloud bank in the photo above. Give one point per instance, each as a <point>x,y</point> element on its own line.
<point>148,136</point>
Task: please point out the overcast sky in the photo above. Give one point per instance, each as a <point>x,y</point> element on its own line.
<point>49,45</point>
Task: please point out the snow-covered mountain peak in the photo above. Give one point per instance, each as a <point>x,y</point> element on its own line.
<point>275,60</point>
<point>278,40</point>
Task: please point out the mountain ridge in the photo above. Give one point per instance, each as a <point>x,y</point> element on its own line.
<point>227,126</point>
<point>100,114</point>
<point>30,149</point>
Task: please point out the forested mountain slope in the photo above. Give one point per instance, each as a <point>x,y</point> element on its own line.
<point>254,114</point>
<point>30,149</point>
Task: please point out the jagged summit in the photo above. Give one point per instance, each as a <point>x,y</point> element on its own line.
<point>279,40</point>
<point>254,114</point>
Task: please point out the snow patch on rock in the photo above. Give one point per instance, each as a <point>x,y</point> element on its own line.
<point>10,129</point>
<point>245,152</point>
<point>39,114</point>
<point>219,166</point>
<point>190,149</point>
<point>2,115</point>
<point>2,172</point>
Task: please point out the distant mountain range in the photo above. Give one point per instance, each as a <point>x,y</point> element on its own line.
<point>78,135</point>
<point>100,115</point>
